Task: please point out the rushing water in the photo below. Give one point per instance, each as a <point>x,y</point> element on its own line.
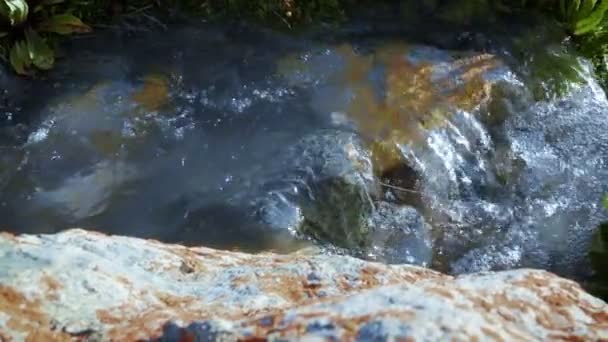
<point>203,135</point>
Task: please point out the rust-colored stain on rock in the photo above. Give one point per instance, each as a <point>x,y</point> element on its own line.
<point>415,98</point>
<point>257,297</point>
<point>27,316</point>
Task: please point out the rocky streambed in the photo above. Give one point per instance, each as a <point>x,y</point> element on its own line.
<point>463,153</point>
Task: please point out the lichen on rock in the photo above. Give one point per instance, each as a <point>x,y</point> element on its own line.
<point>79,285</point>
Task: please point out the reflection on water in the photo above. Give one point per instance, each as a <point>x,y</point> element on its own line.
<point>219,136</point>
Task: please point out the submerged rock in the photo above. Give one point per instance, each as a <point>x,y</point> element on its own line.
<point>327,190</point>
<point>86,194</point>
<point>80,285</point>
<point>329,194</point>
<point>277,212</point>
<point>399,235</point>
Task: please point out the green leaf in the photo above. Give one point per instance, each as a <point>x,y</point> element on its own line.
<point>64,24</point>
<point>41,55</point>
<point>605,201</point>
<point>592,21</point>
<point>15,10</point>
<point>20,58</point>
<point>586,8</point>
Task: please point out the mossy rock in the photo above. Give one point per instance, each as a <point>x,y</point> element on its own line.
<point>339,214</point>
<point>340,185</point>
<point>552,72</point>
<point>595,47</point>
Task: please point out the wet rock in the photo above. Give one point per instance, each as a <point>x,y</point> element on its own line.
<point>396,94</point>
<point>327,194</point>
<point>279,213</point>
<point>259,228</point>
<point>553,72</point>
<point>202,332</point>
<point>330,197</point>
<point>80,285</point>
<point>339,214</point>
<point>339,185</point>
<point>323,190</point>
<point>401,184</point>
<point>399,234</point>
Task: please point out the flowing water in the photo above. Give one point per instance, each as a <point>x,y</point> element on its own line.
<point>203,135</point>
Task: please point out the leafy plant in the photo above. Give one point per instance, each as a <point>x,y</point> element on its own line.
<point>588,22</point>
<point>584,16</point>
<point>28,26</point>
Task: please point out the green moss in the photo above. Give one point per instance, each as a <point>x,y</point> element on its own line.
<point>339,214</point>
<point>554,73</point>
<point>595,47</point>
<point>599,252</point>
<point>599,260</point>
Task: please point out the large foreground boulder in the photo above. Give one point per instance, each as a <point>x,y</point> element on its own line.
<point>85,286</point>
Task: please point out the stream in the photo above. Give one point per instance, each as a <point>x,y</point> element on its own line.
<point>459,150</point>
